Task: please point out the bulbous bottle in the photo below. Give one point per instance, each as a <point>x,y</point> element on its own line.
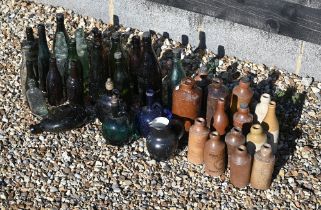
<point>61,53</point>
<point>148,113</point>
<point>74,86</point>
<point>187,102</point>
<point>262,107</point>
<point>255,139</point>
<point>198,135</point>
<point>43,57</point>
<point>241,94</point>
<point>54,84</point>
<point>214,155</point>
<point>36,100</point>
<point>220,117</point>
<point>60,21</point>
<point>243,118</point>
<point>271,125</point>
<point>262,169</point>
<point>240,167</point>
<point>233,140</point>
<point>216,90</point>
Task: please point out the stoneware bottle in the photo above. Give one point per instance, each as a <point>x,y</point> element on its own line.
<point>255,139</point>
<point>220,117</point>
<point>243,118</point>
<point>271,124</point>
<point>241,94</point>
<point>187,101</point>
<point>262,107</point>
<point>216,90</point>
<point>262,169</point>
<point>198,135</point>
<point>214,155</point>
<point>240,166</point>
<point>233,140</point>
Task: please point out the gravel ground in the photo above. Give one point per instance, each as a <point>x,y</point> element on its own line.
<point>77,170</point>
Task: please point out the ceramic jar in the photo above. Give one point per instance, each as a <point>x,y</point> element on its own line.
<point>241,94</point>
<point>243,118</point>
<point>240,167</point>
<point>220,117</point>
<point>262,107</point>
<point>255,139</point>
<point>271,125</point>
<point>233,140</point>
<point>198,135</point>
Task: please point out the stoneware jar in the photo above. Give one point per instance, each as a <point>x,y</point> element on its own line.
<point>187,101</point>
<point>214,155</point>
<point>255,139</point>
<point>271,124</point>
<point>243,118</point>
<point>220,117</point>
<point>233,140</point>
<point>216,90</point>
<point>240,166</point>
<point>241,94</point>
<point>262,169</point>
<point>198,135</point>
<point>262,107</point>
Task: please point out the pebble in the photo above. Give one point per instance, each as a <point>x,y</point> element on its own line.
<point>307,81</point>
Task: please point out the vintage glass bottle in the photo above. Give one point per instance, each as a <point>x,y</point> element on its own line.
<point>242,94</point>
<point>198,135</point>
<point>203,82</point>
<point>240,167</point>
<point>271,125</point>
<point>36,100</point>
<point>262,169</point>
<point>149,75</point>
<point>73,56</point>
<point>148,113</point>
<point>74,86</point>
<point>186,103</point>
<point>61,53</point>
<point>43,57</point>
<point>243,118</point>
<point>220,117</point>
<point>54,84</point>
<point>216,90</point>
<point>135,56</point>
<point>116,47</point>
<point>31,41</point>
<point>255,139</point>
<point>214,155</point>
<point>60,21</point>
<point>262,107</point>
<point>26,57</point>
<point>233,140</point>
<point>96,68</point>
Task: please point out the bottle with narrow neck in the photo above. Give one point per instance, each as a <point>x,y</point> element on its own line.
<point>73,56</point>
<point>255,139</point>
<point>262,107</point>
<point>134,62</point>
<point>24,70</point>
<point>220,117</point>
<point>74,86</point>
<point>243,118</point>
<point>60,21</point>
<point>233,140</point>
<point>95,80</point>
<point>43,57</point>
<point>271,125</point>
<point>31,41</point>
<point>242,94</point>
<point>36,100</point>
<point>61,53</point>
<point>54,84</point>
<point>203,81</point>
<point>116,47</point>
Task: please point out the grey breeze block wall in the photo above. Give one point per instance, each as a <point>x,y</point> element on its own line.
<point>244,42</point>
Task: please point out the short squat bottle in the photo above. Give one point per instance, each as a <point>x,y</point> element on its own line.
<point>54,84</point>
<point>36,100</point>
<point>220,117</point>
<point>233,140</point>
<point>271,125</point>
<point>262,169</point>
<point>243,118</point>
<point>198,135</point>
<point>255,139</point>
<point>214,155</point>
<point>242,94</point>
<point>240,167</point>
<point>262,107</point>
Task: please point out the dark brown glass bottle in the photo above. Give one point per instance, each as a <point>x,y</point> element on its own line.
<point>216,90</point>
<point>233,140</point>
<point>243,119</point>
<point>74,86</point>
<point>220,117</point>
<point>240,166</point>
<point>242,94</point>
<point>54,84</point>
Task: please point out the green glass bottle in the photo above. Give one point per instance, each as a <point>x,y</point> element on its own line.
<point>43,57</point>
<point>96,83</point>
<point>60,21</point>
<point>61,53</point>
<point>73,57</point>
<point>116,47</point>
<point>26,57</point>
<point>34,50</point>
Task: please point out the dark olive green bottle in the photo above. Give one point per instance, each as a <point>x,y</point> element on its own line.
<point>73,57</point>
<point>74,86</point>
<point>43,57</point>
<point>116,47</point>
<point>96,83</point>
<point>60,21</point>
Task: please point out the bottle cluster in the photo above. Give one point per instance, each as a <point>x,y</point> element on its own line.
<point>117,78</point>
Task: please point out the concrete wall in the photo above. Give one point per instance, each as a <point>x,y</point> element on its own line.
<point>241,41</point>
<point>308,3</point>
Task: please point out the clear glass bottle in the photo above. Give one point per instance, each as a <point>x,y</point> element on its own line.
<point>43,57</point>
<point>36,100</point>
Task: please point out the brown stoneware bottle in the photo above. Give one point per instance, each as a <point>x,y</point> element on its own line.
<point>233,140</point>
<point>243,118</point>
<point>214,155</point>
<point>186,103</point>
<point>262,169</point>
<point>255,139</point>
<point>198,135</point>
<point>271,125</point>
<point>241,94</point>
<point>240,166</point>
<point>220,117</point>
<point>216,90</point>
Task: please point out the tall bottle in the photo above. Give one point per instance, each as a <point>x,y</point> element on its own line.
<point>60,20</point>
<point>135,56</point>
<point>242,94</point>
<point>271,125</point>
<point>31,41</point>
<point>203,82</point>
<point>54,84</point>
<point>73,57</point>
<point>262,169</point>
<point>240,167</point>
<point>233,140</point>
<point>61,53</point>
<point>262,107</point>
<point>214,155</point>
<point>243,118</point>
<point>220,117</point>
<point>216,90</point>
<point>26,57</point>
<point>149,75</point>
<point>96,68</point>
<point>43,57</point>
<point>255,139</point>
<point>74,86</point>
<point>198,135</point>
<point>36,100</point>
<point>82,52</point>
<point>116,47</point>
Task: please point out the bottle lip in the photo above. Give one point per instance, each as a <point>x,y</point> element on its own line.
<point>241,149</point>
<point>109,84</point>
<point>150,92</point>
<point>237,130</point>
<point>214,135</point>
<point>266,150</point>
<point>217,81</point>
<point>188,82</point>
<point>200,121</point>
<point>117,55</point>
<point>272,104</point>
<point>41,26</point>
<point>244,106</point>
<point>256,128</point>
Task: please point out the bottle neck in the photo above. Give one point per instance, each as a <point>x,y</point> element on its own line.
<point>29,33</point>
<point>42,36</point>
<point>149,100</point>
<point>60,26</point>
<point>73,70</point>
<point>30,73</point>
<point>114,108</point>
<point>53,65</point>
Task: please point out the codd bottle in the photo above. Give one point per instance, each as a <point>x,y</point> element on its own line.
<point>149,74</point>
<point>43,57</point>
<point>82,52</point>
<point>96,68</point>
<point>121,78</point>
<point>36,100</point>
<point>74,86</point>
<point>135,56</point>
<point>60,19</point>
<point>61,53</point>
<point>116,47</point>
<point>54,84</point>
<point>73,56</point>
